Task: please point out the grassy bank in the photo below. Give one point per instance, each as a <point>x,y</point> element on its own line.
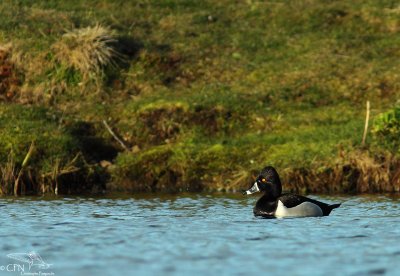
<point>201,95</point>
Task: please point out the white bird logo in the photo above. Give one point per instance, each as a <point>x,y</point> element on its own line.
<point>32,258</point>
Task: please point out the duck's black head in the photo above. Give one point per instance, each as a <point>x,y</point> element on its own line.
<point>268,181</point>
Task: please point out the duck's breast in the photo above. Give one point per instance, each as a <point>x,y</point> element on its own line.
<point>305,209</point>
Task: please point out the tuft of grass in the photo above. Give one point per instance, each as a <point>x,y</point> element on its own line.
<point>88,50</point>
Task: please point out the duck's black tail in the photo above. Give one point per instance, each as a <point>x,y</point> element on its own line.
<point>333,206</point>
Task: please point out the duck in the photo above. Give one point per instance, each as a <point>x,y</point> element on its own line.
<point>274,204</point>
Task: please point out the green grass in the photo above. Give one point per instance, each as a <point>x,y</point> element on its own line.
<point>208,92</point>
<point>21,125</point>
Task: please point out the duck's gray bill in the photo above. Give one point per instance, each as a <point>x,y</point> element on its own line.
<point>252,190</point>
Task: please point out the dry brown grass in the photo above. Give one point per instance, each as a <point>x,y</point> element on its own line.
<point>8,176</point>
<point>355,172</point>
<point>50,181</point>
<point>19,179</point>
<point>21,74</point>
<point>9,77</point>
<point>375,174</point>
<point>88,50</point>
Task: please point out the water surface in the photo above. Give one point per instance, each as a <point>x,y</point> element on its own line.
<point>198,235</point>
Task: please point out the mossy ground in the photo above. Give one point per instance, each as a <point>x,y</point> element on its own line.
<point>207,92</point>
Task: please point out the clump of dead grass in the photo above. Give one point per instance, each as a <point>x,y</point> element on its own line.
<point>9,77</point>
<point>358,171</point>
<point>375,173</point>
<point>88,50</point>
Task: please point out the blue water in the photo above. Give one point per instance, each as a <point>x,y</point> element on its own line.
<point>197,235</point>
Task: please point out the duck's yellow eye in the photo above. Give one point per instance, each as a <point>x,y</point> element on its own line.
<point>263,180</point>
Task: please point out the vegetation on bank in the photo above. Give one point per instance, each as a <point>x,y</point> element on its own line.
<point>200,94</point>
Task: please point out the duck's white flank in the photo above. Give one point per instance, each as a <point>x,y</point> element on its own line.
<point>305,209</point>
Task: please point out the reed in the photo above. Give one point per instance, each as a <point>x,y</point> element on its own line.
<point>23,167</point>
<point>51,180</point>
<point>8,175</point>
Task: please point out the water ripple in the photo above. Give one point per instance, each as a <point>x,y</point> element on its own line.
<point>200,234</point>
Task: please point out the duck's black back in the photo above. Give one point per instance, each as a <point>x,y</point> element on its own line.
<point>292,200</point>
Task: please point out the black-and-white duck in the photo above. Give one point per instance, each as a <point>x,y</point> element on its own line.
<point>274,204</point>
